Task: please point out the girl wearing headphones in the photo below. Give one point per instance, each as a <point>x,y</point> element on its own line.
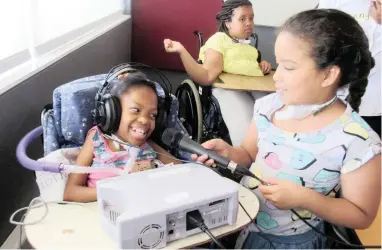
<point>129,147</point>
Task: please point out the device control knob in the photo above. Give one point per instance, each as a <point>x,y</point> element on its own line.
<point>171,222</point>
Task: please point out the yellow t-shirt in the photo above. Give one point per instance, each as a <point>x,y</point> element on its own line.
<point>238,58</point>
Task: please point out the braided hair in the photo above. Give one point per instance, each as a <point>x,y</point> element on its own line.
<point>337,40</point>
<point>225,15</point>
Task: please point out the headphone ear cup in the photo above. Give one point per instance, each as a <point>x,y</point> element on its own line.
<point>161,122</point>
<point>112,114</point>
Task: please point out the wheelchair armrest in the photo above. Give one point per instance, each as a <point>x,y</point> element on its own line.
<point>256,39</point>
<point>341,232</point>
<point>44,110</point>
<point>200,37</point>
<point>259,57</point>
<point>347,235</point>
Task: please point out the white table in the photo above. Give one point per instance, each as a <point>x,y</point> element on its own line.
<point>252,83</point>
<point>74,226</point>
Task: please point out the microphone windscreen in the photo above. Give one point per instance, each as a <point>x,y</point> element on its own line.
<point>169,136</point>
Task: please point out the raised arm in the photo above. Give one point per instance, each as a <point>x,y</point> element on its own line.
<point>204,74</point>
<point>76,189</point>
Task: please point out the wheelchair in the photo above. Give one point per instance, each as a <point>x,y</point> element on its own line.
<point>199,110</point>
<point>66,121</point>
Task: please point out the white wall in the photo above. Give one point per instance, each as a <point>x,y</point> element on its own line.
<point>274,12</point>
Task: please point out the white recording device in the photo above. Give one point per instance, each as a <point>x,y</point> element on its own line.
<point>148,209</point>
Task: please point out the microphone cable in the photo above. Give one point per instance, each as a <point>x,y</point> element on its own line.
<point>195,219</point>
<point>314,228</point>
<point>250,174</point>
<point>292,210</point>
<point>252,221</point>
<point>216,171</point>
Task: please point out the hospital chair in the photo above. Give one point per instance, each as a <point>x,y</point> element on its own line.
<point>67,120</point>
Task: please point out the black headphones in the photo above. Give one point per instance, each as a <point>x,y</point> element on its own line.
<point>108,107</point>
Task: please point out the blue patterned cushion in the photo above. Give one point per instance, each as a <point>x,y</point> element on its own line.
<point>73,104</point>
<point>73,109</point>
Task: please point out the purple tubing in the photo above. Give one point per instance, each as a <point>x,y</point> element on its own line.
<point>27,162</point>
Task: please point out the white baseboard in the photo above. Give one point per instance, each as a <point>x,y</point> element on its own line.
<point>13,240</point>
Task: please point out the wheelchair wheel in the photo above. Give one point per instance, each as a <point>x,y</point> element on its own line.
<point>190,109</point>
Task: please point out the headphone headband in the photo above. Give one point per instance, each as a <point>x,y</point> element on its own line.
<point>113,73</point>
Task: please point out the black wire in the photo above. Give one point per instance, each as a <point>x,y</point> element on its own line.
<point>195,219</point>
<point>213,238</point>
<point>293,211</point>
<point>308,224</point>
<point>315,229</point>
<point>329,237</point>
<point>212,245</point>
<point>252,221</point>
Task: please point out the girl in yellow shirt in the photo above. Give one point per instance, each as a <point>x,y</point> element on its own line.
<point>228,51</point>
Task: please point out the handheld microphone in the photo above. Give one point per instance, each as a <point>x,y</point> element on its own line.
<point>176,139</point>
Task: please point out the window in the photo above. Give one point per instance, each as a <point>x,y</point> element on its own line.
<point>12,26</point>
<point>54,18</point>
<point>31,28</point>
<point>14,33</point>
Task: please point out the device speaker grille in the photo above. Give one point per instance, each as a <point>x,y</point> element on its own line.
<point>151,236</point>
